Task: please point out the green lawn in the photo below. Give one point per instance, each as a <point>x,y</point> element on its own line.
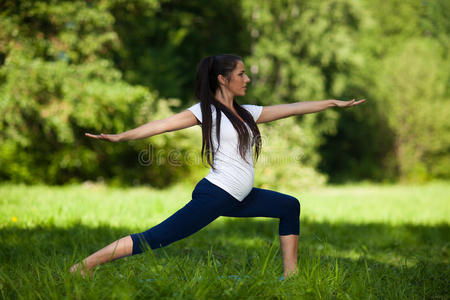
<point>357,242</point>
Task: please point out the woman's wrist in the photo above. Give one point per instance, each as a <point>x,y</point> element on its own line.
<point>121,137</point>
<point>331,103</point>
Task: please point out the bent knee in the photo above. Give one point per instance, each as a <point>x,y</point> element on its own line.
<point>293,206</point>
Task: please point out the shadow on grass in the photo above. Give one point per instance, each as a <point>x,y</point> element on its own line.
<point>425,243</point>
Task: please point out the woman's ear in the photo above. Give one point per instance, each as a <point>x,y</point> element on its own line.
<point>222,80</point>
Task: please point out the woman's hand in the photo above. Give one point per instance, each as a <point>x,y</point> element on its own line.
<point>350,103</point>
<point>107,137</point>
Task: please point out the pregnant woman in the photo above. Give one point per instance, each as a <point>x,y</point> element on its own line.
<point>230,135</point>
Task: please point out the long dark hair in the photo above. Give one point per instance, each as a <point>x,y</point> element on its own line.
<point>206,85</point>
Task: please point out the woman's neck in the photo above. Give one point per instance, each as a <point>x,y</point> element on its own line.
<point>225,97</point>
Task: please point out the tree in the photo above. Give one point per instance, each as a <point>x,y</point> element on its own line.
<point>57,82</point>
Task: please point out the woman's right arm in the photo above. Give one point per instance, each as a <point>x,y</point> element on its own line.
<point>178,121</point>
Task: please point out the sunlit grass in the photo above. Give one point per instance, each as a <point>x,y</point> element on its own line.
<point>357,242</point>
<point>394,204</point>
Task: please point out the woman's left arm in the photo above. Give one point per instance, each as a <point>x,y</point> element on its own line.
<point>276,112</point>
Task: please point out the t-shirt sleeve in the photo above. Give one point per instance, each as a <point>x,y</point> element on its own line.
<point>197,111</point>
<point>254,110</point>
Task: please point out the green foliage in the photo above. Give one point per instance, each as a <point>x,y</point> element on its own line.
<point>301,50</point>
<point>56,85</point>
<point>163,41</point>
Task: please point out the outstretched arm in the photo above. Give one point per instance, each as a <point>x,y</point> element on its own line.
<point>275,112</point>
<point>178,121</point>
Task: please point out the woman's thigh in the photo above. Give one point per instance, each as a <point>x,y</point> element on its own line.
<point>208,203</point>
<point>265,203</point>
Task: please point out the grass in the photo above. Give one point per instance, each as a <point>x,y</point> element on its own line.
<point>357,242</point>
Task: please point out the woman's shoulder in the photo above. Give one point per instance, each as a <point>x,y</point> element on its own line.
<point>254,110</point>
<point>197,110</point>
<point>197,107</point>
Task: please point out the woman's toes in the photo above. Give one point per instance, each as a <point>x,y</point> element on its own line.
<point>78,269</point>
<point>74,268</point>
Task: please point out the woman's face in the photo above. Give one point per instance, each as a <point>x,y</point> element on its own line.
<point>238,80</point>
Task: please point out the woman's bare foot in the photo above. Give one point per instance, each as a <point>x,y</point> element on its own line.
<point>80,269</point>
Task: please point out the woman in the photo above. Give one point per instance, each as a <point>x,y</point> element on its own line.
<point>228,188</point>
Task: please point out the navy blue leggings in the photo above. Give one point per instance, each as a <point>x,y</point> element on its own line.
<point>210,202</point>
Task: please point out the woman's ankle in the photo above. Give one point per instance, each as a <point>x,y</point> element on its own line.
<point>290,272</point>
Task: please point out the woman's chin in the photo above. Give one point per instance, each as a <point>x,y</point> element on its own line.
<point>239,94</point>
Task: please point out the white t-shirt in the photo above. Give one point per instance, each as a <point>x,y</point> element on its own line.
<point>233,174</point>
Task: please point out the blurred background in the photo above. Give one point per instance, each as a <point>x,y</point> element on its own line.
<point>70,67</point>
